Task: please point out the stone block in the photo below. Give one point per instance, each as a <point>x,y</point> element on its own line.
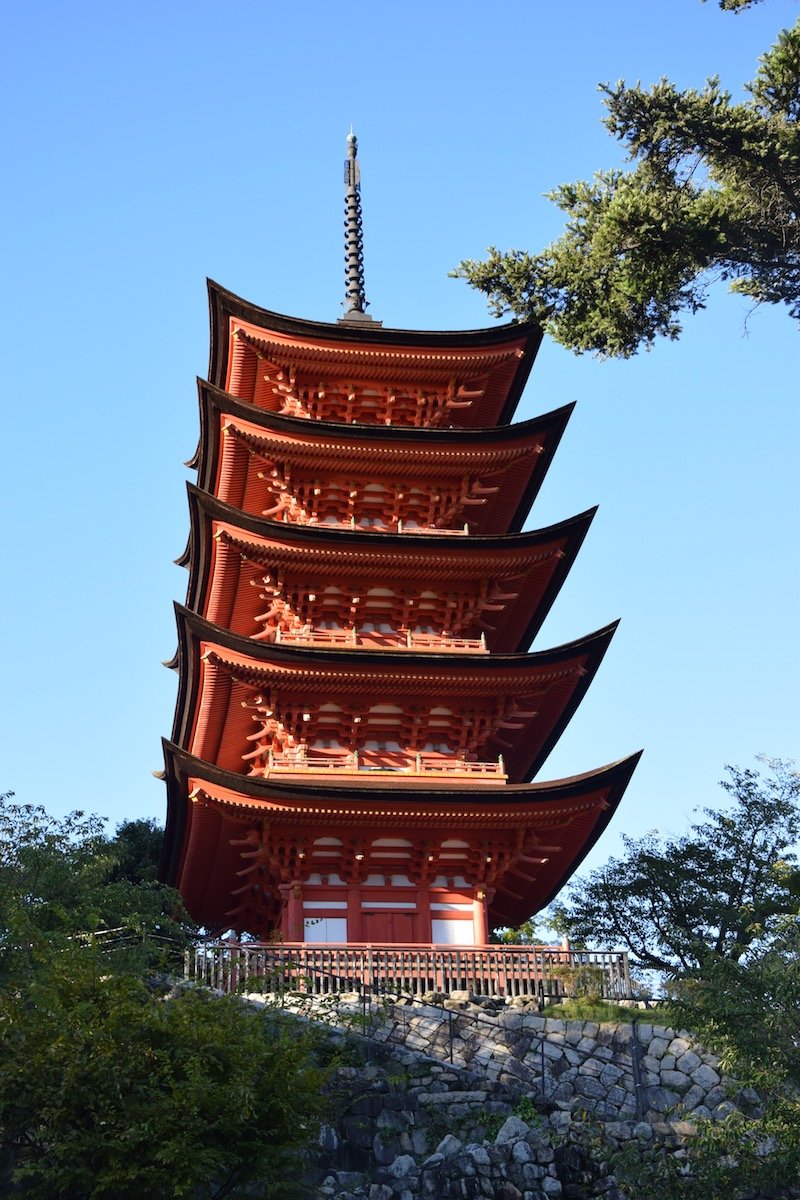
<point>449,1145</point>
<point>668,1062</point>
<point>590,1029</point>
<point>676,1080</point>
<point>587,1045</point>
<point>521,1152</point>
<point>661,1099</point>
<point>591,1066</point>
<point>587,1085</point>
<point>657,1047</point>
<point>695,1095</point>
<point>716,1096</point>
<point>511,1129</point>
<point>551,1187</point>
<point>705,1076</point>
<point>679,1046</point>
<point>688,1061</point>
<point>402,1166</point>
<point>551,1050</point>
<point>478,1154</point>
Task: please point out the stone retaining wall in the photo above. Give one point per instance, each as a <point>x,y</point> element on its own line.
<point>615,1072</point>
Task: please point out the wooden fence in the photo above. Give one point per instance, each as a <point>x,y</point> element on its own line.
<point>327,969</point>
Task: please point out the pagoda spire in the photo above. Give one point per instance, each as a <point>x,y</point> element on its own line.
<point>355,302</point>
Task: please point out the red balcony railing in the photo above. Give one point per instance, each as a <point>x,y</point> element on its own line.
<point>328,969</point>
<point>349,639</point>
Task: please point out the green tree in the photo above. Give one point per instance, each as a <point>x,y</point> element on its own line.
<point>724,889</point>
<point>108,1091</point>
<point>713,194</point>
<point>62,878</point>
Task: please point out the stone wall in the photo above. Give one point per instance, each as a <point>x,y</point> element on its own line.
<point>616,1072</point>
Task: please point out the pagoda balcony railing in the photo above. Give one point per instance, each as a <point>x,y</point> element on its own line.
<point>406,969</point>
<point>348,639</point>
<point>358,762</point>
<point>385,527</point>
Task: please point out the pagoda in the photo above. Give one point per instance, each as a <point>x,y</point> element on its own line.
<point>359,714</point>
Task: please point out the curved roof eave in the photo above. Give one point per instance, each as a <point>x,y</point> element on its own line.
<point>224,304</point>
<point>180,765</point>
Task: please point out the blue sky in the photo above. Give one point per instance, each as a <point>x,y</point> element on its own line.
<point>147,146</point>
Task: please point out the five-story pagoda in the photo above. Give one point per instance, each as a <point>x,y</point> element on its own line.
<point>358,713</point>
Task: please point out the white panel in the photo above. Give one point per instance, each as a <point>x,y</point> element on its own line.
<point>452,933</point>
<point>388,904</point>
<point>325,929</point>
<point>324,904</point>
<point>452,907</point>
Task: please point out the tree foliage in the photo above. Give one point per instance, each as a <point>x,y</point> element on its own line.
<point>724,889</point>
<point>108,1091</point>
<point>63,878</point>
<point>713,193</point>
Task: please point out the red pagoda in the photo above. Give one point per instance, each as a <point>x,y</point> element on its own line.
<point>358,713</point>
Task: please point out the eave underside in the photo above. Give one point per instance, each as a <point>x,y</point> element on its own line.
<point>516,706</point>
<point>506,351</point>
<point>521,842</point>
<point>502,587</point>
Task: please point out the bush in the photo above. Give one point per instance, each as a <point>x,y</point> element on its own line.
<point>109,1091</point>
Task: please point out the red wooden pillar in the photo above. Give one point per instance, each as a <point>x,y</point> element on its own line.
<point>424,931</point>
<point>479,917</point>
<point>292,928</point>
<point>354,922</point>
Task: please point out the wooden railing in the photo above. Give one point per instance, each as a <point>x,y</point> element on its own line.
<point>348,639</point>
<point>386,527</point>
<point>290,762</point>
<point>328,969</point>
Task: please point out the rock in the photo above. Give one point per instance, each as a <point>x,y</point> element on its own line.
<point>679,1046</point>
<point>676,1080</point>
<point>587,1085</point>
<point>723,1110</point>
<point>511,1129</point>
<point>328,1138</point>
<point>695,1095</point>
<point>704,1077</point>
<point>551,1187</point>
<point>661,1099</point>
<point>449,1145</point>
<point>643,1131</point>
<point>478,1154</point>
<point>688,1061</point>
<point>521,1152</point>
<point>403,1165</point>
<point>657,1048</point>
